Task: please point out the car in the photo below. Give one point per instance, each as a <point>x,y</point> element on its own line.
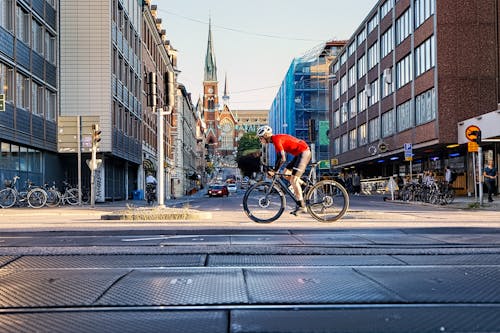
<point>218,191</point>
<point>232,187</point>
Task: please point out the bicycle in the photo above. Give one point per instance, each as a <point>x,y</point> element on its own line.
<point>150,193</point>
<point>265,201</point>
<point>54,197</point>
<point>35,197</point>
<point>70,195</point>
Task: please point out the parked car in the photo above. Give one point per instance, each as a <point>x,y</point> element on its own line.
<point>232,187</point>
<point>218,191</point>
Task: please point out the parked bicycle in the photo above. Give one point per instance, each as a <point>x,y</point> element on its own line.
<point>71,193</point>
<point>265,201</point>
<point>150,193</point>
<point>33,196</point>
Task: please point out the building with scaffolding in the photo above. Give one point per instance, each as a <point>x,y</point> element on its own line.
<point>300,107</point>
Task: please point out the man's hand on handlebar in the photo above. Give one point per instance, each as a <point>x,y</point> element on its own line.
<point>271,172</point>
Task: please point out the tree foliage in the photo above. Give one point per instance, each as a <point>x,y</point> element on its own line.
<point>248,156</point>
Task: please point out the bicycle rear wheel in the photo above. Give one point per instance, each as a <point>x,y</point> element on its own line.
<point>7,198</point>
<point>37,198</point>
<point>264,203</point>
<point>327,201</point>
<point>71,196</point>
<point>53,198</point>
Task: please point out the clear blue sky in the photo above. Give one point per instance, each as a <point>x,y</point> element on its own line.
<point>255,41</point>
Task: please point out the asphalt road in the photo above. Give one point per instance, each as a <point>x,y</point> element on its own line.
<point>385,267</point>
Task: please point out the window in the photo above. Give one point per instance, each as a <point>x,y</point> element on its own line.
<point>37,36</point>
<point>388,123</point>
<point>425,107</point>
<point>336,91</point>
<point>344,111</point>
<point>343,84</point>
<point>385,8</point>
<point>361,37</point>
<point>22,91</point>
<point>343,58</point>
<point>36,99</point>
<point>336,146</point>
<point>50,105</point>
<point>374,129</point>
<point>386,43</point>
<point>50,48</point>
<point>423,10</point>
<point>362,101</point>
<point>351,49</point>
<point>425,56</point>
<point>6,7</point>
<point>352,108</point>
<point>352,76</point>
<point>405,116</point>
<point>374,92</point>
<point>336,118</point>
<point>362,135</point>
<point>345,143</point>
<point>404,72</point>
<point>373,23</point>
<point>353,139</point>
<point>373,56</point>
<point>361,66</point>
<point>22,25</point>
<point>387,82</point>
<point>6,82</point>
<point>403,27</point>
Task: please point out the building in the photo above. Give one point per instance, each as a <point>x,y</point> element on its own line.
<point>29,84</point>
<point>300,106</point>
<point>411,73</point>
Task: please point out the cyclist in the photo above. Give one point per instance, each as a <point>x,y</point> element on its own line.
<point>283,144</point>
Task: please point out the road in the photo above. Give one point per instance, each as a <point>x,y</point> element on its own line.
<point>382,269</point>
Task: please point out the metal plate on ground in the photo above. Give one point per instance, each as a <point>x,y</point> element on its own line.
<point>107,261</point>
<point>45,288</point>
<point>196,240</point>
<point>264,240</point>
<point>178,287</point>
<point>401,239</point>
<point>482,239</point>
<point>427,284</point>
<point>387,319</point>
<point>6,259</point>
<point>115,322</point>
<point>300,260</point>
<point>332,239</point>
<point>313,285</point>
<point>450,259</point>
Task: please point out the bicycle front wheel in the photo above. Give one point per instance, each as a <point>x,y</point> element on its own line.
<point>71,196</point>
<point>7,198</point>
<point>327,201</point>
<point>264,203</point>
<point>53,198</point>
<point>37,198</point>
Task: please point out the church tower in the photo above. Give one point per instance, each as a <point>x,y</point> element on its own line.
<point>211,95</point>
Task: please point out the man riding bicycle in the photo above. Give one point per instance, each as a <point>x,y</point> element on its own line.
<point>283,144</point>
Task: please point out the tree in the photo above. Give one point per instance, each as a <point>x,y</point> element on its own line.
<point>248,156</point>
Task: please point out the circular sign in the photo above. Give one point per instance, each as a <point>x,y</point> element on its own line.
<point>471,132</point>
<point>382,147</point>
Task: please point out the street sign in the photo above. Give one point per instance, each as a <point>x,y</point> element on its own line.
<point>472,147</point>
<point>324,164</point>
<point>408,151</point>
<point>471,132</point>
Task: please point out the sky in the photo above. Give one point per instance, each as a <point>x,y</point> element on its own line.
<point>254,41</point>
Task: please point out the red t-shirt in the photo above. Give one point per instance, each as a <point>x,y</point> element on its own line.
<point>289,144</point>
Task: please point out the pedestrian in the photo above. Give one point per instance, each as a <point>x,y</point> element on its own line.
<point>150,179</point>
<point>447,174</point>
<point>490,175</point>
<point>356,183</point>
<point>283,144</point>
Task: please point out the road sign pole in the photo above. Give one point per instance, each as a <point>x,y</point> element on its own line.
<point>479,172</point>
<point>79,157</point>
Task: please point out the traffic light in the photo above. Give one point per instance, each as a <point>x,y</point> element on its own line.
<point>152,89</point>
<point>477,139</point>
<point>96,135</point>
<point>2,102</point>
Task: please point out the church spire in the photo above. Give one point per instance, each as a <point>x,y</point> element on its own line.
<point>225,97</point>
<point>210,66</point>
